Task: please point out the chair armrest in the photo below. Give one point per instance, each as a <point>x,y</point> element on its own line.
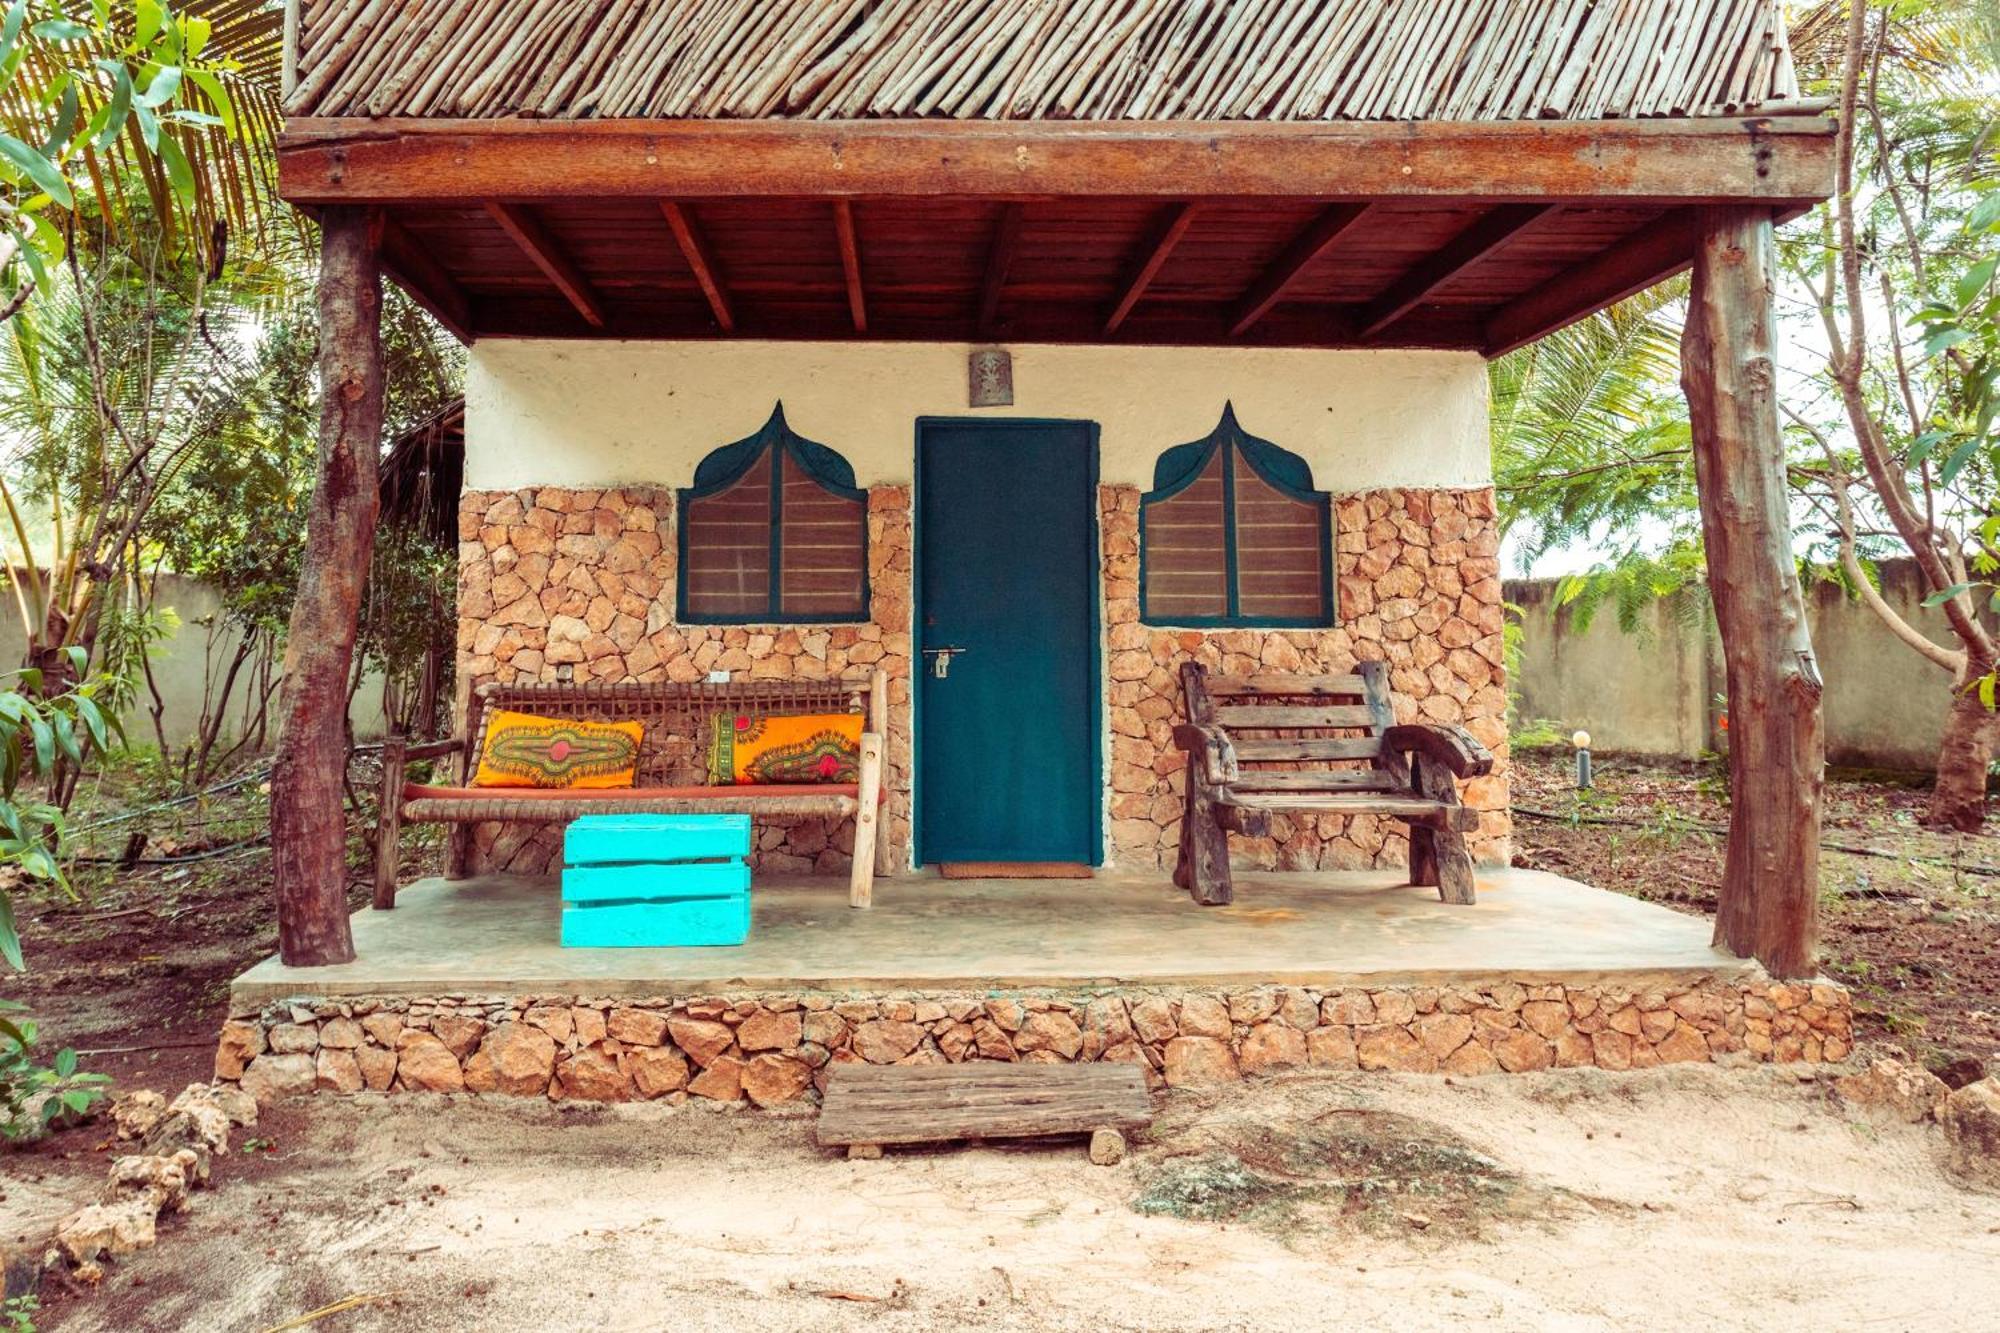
<point>433,749</point>
<point>1209,745</point>
<point>1454,747</point>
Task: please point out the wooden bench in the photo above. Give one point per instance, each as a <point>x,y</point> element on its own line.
<point>672,768</point>
<point>1274,744</point>
<point>867,1106</point>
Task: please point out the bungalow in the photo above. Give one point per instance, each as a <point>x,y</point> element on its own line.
<point>996,359</point>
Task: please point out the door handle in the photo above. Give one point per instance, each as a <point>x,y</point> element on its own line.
<point>940,659</point>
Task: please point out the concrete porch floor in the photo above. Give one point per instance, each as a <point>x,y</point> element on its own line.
<point>498,936</point>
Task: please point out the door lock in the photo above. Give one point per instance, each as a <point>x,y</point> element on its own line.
<point>941,659</point>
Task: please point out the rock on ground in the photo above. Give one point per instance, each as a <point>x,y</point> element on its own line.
<point>1971,1120</point>
<point>1894,1091</point>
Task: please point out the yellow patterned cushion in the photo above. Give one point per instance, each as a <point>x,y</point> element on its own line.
<point>523,750</point>
<point>812,747</point>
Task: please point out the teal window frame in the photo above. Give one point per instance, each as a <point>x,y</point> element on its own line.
<point>726,466</point>
<point>1282,470</point>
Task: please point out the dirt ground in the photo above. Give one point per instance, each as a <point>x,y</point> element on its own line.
<point>1728,1198</point>
<point>1713,1198</point>
<point>1909,916</point>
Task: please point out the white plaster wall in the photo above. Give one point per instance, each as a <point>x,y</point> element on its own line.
<point>562,413</point>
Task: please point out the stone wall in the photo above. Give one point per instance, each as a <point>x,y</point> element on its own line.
<point>774,1049</point>
<point>561,583</point>
<point>1418,587</point>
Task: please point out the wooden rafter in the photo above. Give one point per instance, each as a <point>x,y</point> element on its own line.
<point>850,262</point>
<point>416,270</point>
<point>694,246</point>
<point>1269,288</point>
<point>535,242</point>
<point>999,259</point>
<point>1650,255</point>
<point>1173,224</point>
<point>1470,246</point>
<point>1774,161</point>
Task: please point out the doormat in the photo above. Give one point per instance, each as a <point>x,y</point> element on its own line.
<point>1015,870</point>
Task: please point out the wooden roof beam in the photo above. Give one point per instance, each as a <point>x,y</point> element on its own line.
<point>416,270</point>
<point>999,258</point>
<point>1777,160</point>
<point>694,246</point>
<point>1475,243</point>
<point>535,242</point>
<point>850,262</point>
<point>1270,286</point>
<point>1649,256</point>
<point>1172,224</point>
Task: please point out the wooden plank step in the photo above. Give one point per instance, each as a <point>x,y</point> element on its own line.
<point>876,1104</point>
<point>1413,809</point>
<point>1274,717</point>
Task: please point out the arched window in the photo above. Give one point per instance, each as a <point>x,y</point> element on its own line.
<point>1233,533</point>
<point>773,530</point>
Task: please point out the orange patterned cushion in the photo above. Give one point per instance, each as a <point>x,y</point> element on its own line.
<point>805,748</point>
<point>523,750</point>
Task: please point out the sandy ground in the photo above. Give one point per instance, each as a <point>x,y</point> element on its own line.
<point>1709,1198</point>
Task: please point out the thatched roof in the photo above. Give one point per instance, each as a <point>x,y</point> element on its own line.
<point>1282,60</point>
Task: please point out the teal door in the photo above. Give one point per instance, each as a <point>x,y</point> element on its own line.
<point>1007,728</point>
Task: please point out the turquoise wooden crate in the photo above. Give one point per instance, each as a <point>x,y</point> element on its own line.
<point>604,840</point>
<point>686,923</point>
<point>651,881</point>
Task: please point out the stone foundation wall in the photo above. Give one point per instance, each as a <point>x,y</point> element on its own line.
<point>565,584</point>
<point>771,1049</point>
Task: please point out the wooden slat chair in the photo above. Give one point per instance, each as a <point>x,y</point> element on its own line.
<point>671,766</point>
<point>1275,744</point>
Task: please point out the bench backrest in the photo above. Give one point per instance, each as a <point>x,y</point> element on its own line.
<point>677,717</point>
<point>1303,732</point>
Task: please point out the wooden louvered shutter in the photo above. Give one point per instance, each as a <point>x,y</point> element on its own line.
<point>1280,545</point>
<point>823,549</point>
<point>1187,551</point>
<point>728,572</point>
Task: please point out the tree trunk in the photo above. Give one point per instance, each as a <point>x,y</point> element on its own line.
<point>1770,883</point>
<point>308,818</point>
<point>1958,800</point>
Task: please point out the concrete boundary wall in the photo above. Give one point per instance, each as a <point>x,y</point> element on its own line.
<point>1659,691</point>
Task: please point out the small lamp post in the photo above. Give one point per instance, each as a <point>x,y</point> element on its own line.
<point>1584,778</point>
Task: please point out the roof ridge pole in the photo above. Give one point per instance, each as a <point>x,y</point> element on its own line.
<point>1770,883</point>
<point>308,817</point>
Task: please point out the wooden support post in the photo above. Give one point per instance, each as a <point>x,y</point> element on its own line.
<point>1770,881</point>
<point>867,822</point>
<point>389,827</point>
<point>308,819</point>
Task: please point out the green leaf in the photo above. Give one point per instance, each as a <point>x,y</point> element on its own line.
<point>1943,595</point>
<point>1985,214</point>
<point>1973,281</point>
<point>60,30</point>
<point>77,1101</point>
<point>66,740</point>
<point>162,88</point>
<point>179,174</point>
<point>45,744</point>
<point>1940,339</point>
<point>65,127</point>
<point>1986,691</point>
<point>93,721</point>
<point>149,127</point>
<point>10,943</point>
<point>79,658</point>
<point>1921,448</point>
<point>38,169</point>
<point>65,1062</point>
<point>1959,458</point>
<point>116,110</point>
<point>10,29</point>
<point>151,14</point>
<point>217,95</point>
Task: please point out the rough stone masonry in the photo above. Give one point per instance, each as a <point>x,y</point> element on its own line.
<point>773,1049</point>
<point>560,582</point>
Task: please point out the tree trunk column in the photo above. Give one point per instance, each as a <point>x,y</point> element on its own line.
<point>308,820</point>
<point>1767,905</point>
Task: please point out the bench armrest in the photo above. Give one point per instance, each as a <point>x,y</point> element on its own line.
<point>1211,748</point>
<point>1454,747</point>
<point>434,749</point>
